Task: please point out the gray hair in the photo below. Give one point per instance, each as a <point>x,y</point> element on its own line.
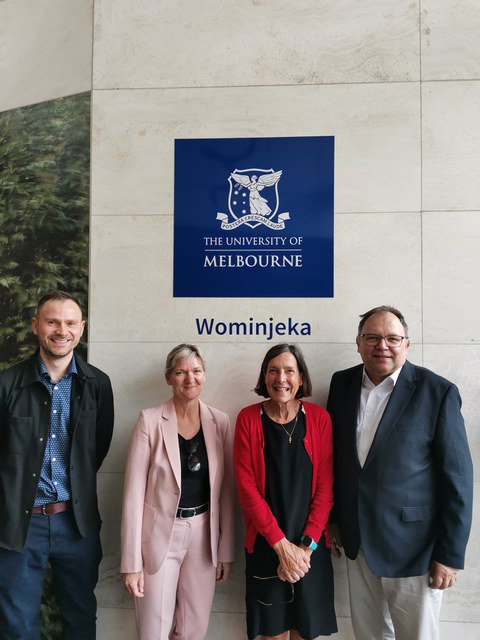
<point>179,352</point>
<point>382,309</point>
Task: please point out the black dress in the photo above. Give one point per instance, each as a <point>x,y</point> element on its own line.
<point>274,606</point>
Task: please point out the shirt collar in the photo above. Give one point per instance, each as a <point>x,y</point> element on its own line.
<point>72,367</point>
<point>393,377</point>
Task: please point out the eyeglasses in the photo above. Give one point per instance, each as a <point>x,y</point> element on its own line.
<point>193,462</point>
<point>371,339</point>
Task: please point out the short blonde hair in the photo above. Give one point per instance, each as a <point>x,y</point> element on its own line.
<point>183,350</point>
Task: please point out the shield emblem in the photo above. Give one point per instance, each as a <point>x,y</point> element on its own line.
<point>252,193</point>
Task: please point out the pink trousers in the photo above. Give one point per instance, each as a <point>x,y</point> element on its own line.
<point>178,598</point>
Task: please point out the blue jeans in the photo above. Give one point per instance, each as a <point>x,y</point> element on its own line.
<point>74,561</point>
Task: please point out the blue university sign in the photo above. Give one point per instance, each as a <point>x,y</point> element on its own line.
<point>254,217</point>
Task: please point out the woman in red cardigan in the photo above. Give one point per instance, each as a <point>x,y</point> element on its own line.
<point>284,470</point>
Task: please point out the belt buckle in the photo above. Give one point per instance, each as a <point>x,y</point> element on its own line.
<point>43,510</point>
<point>182,509</point>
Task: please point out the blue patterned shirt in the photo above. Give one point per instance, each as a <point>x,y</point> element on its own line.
<point>54,484</point>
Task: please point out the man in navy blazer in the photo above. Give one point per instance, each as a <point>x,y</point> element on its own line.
<point>403,484</point>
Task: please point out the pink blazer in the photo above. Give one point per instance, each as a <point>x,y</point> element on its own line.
<point>153,485</point>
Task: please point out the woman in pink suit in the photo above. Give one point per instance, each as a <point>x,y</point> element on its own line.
<point>177,521</point>
<point>284,465</point>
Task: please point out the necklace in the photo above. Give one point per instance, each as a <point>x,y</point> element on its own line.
<point>290,433</point>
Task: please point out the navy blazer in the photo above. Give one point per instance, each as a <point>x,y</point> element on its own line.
<point>411,503</point>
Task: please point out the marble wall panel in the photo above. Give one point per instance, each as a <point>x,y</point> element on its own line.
<point>131,295</point>
<point>345,631</point>
<point>226,625</point>
<point>451,278</point>
<point>110,591</point>
<point>230,597</point>
<point>450,149</point>
<point>131,257</point>
<point>376,129</point>
<point>115,624</point>
<point>171,44</point>
<point>449,40</point>
<point>45,50</point>
<point>377,261</point>
<point>463,630</point>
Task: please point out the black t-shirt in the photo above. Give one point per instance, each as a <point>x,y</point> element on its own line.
<point>195,484</point>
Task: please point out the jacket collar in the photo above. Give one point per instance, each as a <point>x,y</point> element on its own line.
<point>401,394</point>
<point>31,373</point>
<point>170,438</point>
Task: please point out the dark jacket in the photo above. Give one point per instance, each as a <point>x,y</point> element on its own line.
<point>24,427</point>
<point>411,503</point>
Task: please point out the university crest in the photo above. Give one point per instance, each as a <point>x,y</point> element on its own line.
<point>253,200</point>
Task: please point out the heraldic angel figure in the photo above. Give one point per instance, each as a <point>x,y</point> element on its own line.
<point>258,204</point>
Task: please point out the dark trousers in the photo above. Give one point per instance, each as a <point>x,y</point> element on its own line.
<point>74,561</point>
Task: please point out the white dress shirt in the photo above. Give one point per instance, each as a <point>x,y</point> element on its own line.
<point>373,400</point>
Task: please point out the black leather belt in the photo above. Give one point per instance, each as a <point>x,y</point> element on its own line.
<point>189,512</point>
<point>52,508</point>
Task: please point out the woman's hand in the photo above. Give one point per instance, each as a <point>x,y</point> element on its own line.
<point>294,561</point>
<point>133,583</point>
<point>223,571</point>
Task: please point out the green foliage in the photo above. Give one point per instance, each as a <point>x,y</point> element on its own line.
<point>49,614</point>
<point>44,226</point>
<point>44,213</point>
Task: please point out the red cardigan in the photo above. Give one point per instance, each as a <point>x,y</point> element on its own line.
<point>250,474</point>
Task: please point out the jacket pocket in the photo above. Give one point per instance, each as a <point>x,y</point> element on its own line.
<point>21,435</point>
<point>416,514</point>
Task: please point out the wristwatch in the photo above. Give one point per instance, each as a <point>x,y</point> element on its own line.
<point>309,542</point>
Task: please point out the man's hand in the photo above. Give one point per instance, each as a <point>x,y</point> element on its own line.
<point>441,576</point>
<point>335,540</point>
